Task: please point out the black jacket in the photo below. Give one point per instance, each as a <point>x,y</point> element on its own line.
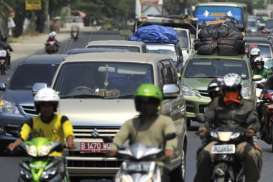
<point>243,115</point>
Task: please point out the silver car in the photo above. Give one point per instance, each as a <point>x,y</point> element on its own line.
<point>97,91</point>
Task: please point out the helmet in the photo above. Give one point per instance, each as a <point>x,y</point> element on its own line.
<point>53,33</point>
<point>232,81</point>
<point>255,52</point>
<point>259,60</point>
<point>150,91</point>
<point>147,93</point>
<point>46,95</point>
<point>215,87</point>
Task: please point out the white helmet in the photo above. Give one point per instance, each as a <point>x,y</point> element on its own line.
<point>232,80</point>
<point>255,51</point>
<point>46,95</point>
<point>259,59</point>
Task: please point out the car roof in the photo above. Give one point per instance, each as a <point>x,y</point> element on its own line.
<point>239,57</point>
<point>90,50</point>
<point>44,59</point>
<point>116,57</point>
<point>116,43</point>
<point>222,4</point>
<point>257,39</point>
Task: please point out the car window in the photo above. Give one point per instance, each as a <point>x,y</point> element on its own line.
<point>115,48</point>
<point>168,74</point>
<point>183,38</point>
<point>164,49</point>
<point>26,75</point>
<point>124,78</point>
<point>212,68</point>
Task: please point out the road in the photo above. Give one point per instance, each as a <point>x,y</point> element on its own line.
<point>9,165</point>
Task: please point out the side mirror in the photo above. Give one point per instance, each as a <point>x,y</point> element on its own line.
<point>2,86</point>
<point>170,136</point>
<point>257,78</point>
<point>37,86</point>
<point>170,90</point>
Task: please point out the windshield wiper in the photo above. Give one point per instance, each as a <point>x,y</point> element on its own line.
<point>81,96</point>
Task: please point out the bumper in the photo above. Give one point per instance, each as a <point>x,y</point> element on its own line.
<point>196,105</point>
<point>92,166</point>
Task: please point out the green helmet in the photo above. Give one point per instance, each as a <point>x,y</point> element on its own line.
<point>149,90</point>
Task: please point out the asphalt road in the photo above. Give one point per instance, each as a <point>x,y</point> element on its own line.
<point>9,165</point>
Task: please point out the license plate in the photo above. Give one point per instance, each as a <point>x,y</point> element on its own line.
<point>95,147</point>
<point>137,167</point>
<point>223,149</point>
<point>3,53</point>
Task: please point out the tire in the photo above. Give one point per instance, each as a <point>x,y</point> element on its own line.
<point>179,174</point>
<point>271,128</point>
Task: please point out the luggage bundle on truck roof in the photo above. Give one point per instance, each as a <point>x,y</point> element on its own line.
<point>223,37</point>
<point>155,34</point>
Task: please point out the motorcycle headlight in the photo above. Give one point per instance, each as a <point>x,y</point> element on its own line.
<point>246,92</point>
<point>31,150</point>
<point>49,173</point>
<point>8,107</point>
<point>187,91</point>
<point>235,135</point>
<point>124,178</point>
<point>44,150</point>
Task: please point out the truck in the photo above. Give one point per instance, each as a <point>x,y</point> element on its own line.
<point>148,7</point>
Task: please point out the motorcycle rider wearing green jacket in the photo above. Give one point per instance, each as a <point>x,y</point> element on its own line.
<point>259,68</point>
<point>231,110</point>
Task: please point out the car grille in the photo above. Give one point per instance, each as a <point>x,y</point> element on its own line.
<point>29,109</point>
<point>12,130</point>
<point>94,132</point>
<point>204,93</point>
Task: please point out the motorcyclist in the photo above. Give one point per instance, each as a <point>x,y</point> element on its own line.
<point>149,127</point>
<point>259,68</point>
<point>74,28</point>
<point>231,110</point>
<point>48,123</point>
<point>254,53</point>
<point>215,88</point>
<point>5,46</point>
<point>52,38</point>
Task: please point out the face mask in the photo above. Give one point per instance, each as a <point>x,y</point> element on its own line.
<point>231,97</point>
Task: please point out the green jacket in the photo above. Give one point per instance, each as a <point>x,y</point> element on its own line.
<point>265,73</point>
<point>150,132</point>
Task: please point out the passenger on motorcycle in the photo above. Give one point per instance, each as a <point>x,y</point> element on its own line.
<point>231,110</point>
<point>149,127</point>
<point>215,88</point>
<point>254,52</point>
<point>259,68</point>
<point>48,123</point>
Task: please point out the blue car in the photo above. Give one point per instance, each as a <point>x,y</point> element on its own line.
<point>16,104</point>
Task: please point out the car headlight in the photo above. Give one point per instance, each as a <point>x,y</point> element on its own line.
<point>8,107</point>
<point>246,92</point>
<point>187,91</point>
<point>49,173</point>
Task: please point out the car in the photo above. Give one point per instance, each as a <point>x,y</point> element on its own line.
<point>97,91</point>
<point>268,26</point>
<point>17,98</point>
<point>122,45</point>
<point>252,25</point>
<point>172,50</point>
<point>91,49</point>
<point>202,69</point>
<point>185,42</point>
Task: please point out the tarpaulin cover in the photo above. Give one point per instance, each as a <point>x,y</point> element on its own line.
<point>155,34</point>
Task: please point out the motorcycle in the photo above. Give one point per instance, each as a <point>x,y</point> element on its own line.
<point>40,166</point>
<point>51,47</point>
<point>139,164</point>
<point>74,32</point>
<point>3,61</point>
<point>227,167</point>
<point>267,117</point>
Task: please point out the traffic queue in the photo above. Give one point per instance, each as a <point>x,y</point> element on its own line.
<point>124,108</point>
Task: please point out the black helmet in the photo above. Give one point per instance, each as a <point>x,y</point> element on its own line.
<point>215,87</point>
<point>232,82</point>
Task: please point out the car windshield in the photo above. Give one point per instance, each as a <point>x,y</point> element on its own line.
<point>213,68</point>
<point>269,24</point>
<point>183,38</point>
<point>26,75</point>
<point>102,79</point>
<point>115,48</point>
<point>165,49</point>
<point>268,64</point>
